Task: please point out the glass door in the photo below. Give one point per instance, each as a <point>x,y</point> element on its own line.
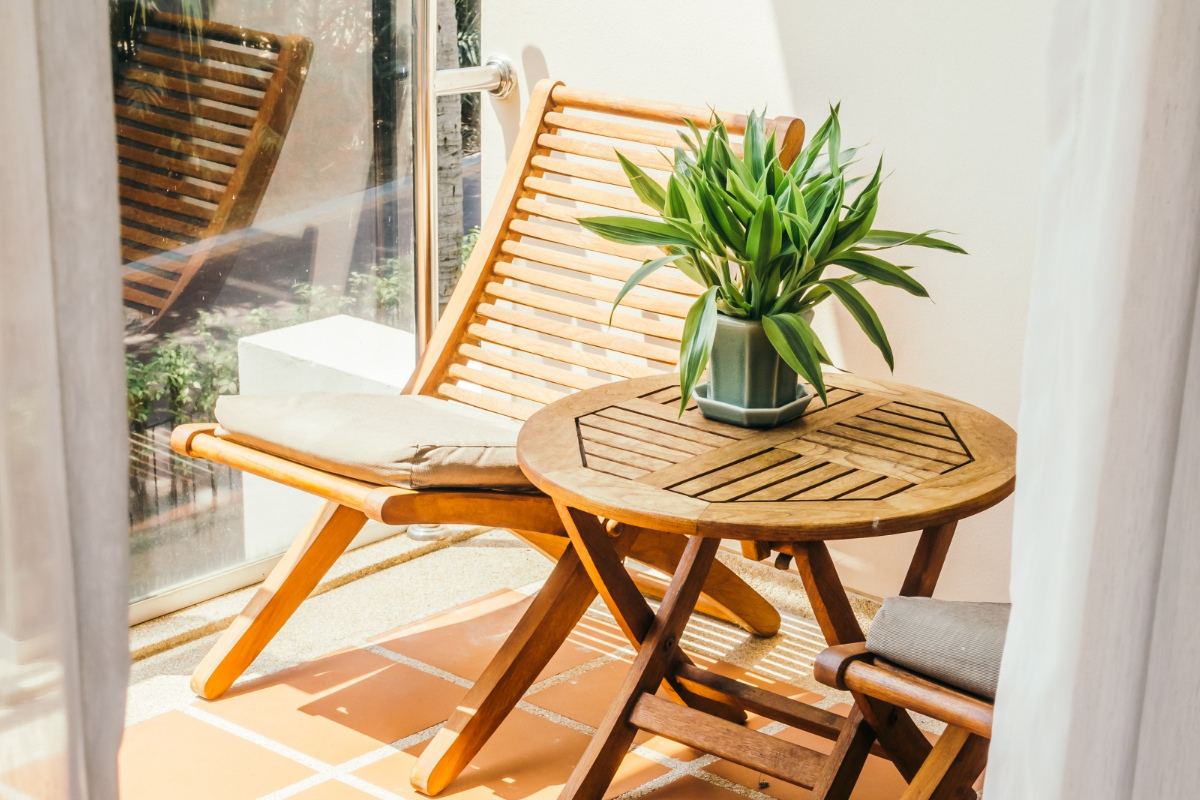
<point>265,171</point>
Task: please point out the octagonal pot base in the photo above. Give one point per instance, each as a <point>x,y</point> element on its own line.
<point>751,417</point>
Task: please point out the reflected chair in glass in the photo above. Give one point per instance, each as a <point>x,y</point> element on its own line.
<point>202,112</point>
<point>527,324</point>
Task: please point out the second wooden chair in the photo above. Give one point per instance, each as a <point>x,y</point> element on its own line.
<point>934,657</point>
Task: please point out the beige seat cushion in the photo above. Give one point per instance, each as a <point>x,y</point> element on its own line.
<point>953,642</point>
<point>401,440</point>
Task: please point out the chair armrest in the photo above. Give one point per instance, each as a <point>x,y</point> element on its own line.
<point>200,440</point>
<point>886,681</point>
<point>391,505</point>
<point>830,666</point>
<point>851,667</point>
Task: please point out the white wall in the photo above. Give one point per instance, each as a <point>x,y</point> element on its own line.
<point>951,91</point>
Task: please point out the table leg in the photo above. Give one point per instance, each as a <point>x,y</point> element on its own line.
<point>726,596</point>
<point>550,618</point>
<point>623,598</point>
<point>894,728</point>
<point>595,770</point>
<point>926,565</point>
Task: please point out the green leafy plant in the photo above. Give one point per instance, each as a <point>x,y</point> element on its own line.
<point>142,390</point>
<point>761,240</point>
<point>181,374</point>
<point>469,240</point>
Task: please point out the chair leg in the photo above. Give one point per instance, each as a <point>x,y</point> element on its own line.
<point>846,761</point>
<point>550,618</point>
<point>951,768</point>
<point>726,596</point>
<point>308,559</point>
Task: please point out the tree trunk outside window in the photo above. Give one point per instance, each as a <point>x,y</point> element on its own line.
<point>449,145</point>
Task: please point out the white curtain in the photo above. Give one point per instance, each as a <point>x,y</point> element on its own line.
<point>63,521</point>
<point>1100,690</point>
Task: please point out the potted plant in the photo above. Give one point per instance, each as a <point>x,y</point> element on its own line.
<point>761,240</point>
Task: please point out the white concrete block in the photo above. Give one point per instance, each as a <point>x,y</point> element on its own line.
<point>336,354</point>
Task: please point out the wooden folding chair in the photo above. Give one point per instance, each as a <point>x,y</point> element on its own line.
<point>202,112</point>
<point>527,324</point>
<point>959,756</point>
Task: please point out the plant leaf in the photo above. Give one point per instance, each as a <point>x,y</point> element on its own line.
<point>698,331</point>
<point>646,188</point>
<point>799,230</point>
<point>845,159</point>
<point>727,227</point>
<point>880,271</point>
<point>835,140</point>
<point>763,243</point>
<point>765,236</point>
<point>739,210</point>
<point>697,136</point>
<point>752,145</point>
<point>858,221</point>
<point>775,175</point>
<point>832,200</point>
<point>688,267</point>
<point>863,314</point>
<point>635,230</point>
<point>637,277</point>
<point>885,239</point>
<point>803,163</point>
<point>680,202</point>
<point>739,189</point>
<point>798,346</point>
<point>688,141</point>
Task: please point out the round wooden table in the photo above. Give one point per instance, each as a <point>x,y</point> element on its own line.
<point>880,458</point>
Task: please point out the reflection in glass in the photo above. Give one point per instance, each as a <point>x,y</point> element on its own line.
<point>265,171</point>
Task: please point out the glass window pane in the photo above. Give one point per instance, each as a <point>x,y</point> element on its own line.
<point>265,170</point>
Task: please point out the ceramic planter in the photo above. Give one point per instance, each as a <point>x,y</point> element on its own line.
<point>749,384</point>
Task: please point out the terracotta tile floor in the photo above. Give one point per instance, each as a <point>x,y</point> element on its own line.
<point>350,724</point>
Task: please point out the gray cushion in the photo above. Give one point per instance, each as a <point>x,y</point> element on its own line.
<point>956,643</point>
<point>401,440</point>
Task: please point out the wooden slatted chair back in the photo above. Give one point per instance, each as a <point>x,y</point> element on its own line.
<point>529,319</point>
<point>202,110</point>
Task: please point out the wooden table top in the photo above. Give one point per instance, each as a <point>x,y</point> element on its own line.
<point>881,458</point>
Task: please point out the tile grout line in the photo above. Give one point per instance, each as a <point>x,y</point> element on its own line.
<point>258,739</point>
<point>576,671</point>
<point>342,772</point>
<point>554,716</point>
<point>420,666</point>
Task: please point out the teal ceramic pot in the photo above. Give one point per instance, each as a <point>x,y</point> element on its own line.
<point>744,369</point>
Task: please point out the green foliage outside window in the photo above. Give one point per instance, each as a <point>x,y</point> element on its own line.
<point>186,372</point>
